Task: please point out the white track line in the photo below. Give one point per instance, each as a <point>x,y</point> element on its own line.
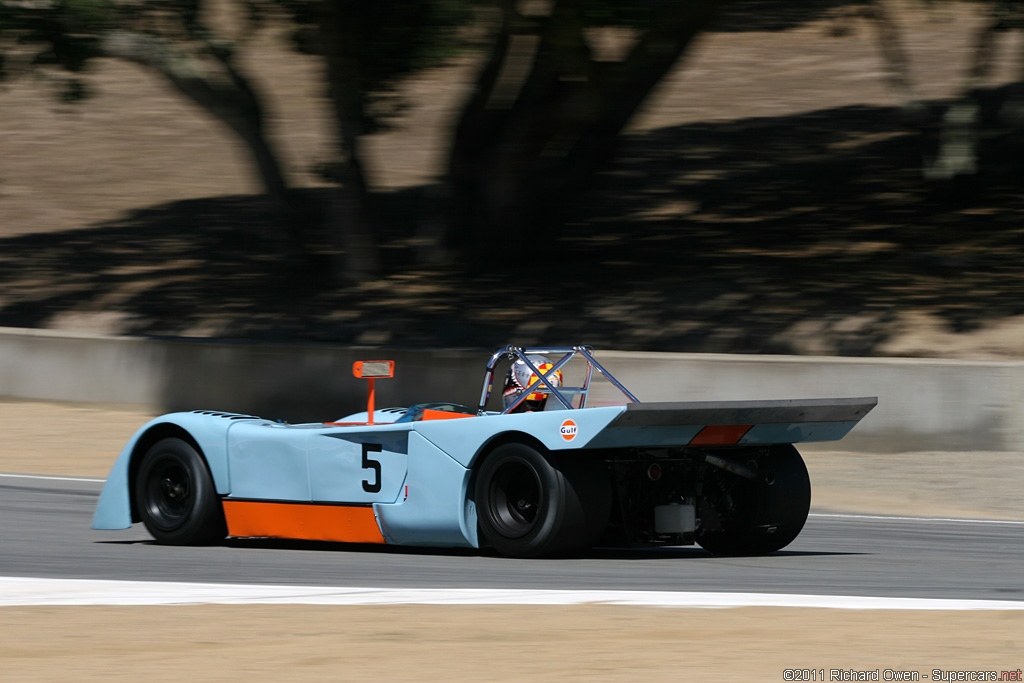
<point>896,518</point>
<point>44,477</point>
<point>17,591</point>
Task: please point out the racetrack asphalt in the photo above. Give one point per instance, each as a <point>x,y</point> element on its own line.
<point>45,534</point>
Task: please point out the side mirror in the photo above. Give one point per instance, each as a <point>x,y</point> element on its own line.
<point>374,369</point>
<point>371,370</point>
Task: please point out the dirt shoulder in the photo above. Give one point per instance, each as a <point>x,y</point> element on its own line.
<point>64,439</point>
<point>488,643</point>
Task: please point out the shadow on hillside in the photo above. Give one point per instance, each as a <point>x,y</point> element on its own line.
<point>807,233</point>
<point>157,270</point>
<point>776,15</point>
<point>753,227</point>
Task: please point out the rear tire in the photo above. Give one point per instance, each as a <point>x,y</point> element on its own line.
<point>532,503</point>
<point>175,496</point>
<point>765,514</point>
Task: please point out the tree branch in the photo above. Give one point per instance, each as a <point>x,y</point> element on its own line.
<point>223,92</point>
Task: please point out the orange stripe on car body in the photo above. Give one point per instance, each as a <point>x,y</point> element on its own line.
<point>428,414</point>
<point>719,435</point>
<point>345,523</point>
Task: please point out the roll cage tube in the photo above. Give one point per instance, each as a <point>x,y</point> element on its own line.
<point>514,353</point>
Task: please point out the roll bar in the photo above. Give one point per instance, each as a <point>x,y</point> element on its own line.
<point>542,384</point>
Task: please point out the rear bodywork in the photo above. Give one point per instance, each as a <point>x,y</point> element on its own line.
<point>411,482</point>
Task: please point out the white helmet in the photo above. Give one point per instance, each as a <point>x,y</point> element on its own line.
<point>520,376</point>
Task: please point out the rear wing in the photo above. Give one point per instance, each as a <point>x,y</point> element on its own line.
<point>687,423</point>
<point>733,423</point>
<point>690,423</point>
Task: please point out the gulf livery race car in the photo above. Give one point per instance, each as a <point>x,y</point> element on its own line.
<point>555,479</point>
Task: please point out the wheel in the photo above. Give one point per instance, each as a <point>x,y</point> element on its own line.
<point>531,503</point>
<point>175,496</point>
<point>763,515</point>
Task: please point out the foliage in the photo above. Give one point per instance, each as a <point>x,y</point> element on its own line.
<point>52,38</point>
<point>386,41</point>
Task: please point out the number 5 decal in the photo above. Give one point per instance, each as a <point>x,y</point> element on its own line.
<point>371,464</point>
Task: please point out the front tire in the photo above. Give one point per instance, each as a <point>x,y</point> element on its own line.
<point>175,496</point>
<point>531,503</point>
<point>763,515</point>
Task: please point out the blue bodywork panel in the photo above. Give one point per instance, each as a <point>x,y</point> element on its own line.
<point>422,470</point>
<point>437,511</point>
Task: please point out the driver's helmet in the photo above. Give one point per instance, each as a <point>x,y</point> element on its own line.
<point>520,377</point>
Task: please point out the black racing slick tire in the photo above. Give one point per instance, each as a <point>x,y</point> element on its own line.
<point>762,515</point>
<point>532,503</point>
<point>175,496</point>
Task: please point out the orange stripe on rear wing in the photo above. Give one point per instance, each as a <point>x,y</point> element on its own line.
<point>719,435</point>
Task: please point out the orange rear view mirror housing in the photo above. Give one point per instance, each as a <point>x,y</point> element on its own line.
<point>374,369</point>
<point>371,370</point>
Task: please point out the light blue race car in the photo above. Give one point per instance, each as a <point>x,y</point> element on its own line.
<point>547,475</point>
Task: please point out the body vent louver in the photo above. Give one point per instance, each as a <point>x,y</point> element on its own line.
<point>227,416</point>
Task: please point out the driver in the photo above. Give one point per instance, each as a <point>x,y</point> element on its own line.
<point>520,377</point>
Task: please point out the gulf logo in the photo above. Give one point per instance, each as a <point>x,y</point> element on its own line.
<point>568,430</point>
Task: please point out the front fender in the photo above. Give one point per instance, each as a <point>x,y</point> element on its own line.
<point>207,429</point>
<point>114,509</point>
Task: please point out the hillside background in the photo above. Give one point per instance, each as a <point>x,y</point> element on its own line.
<point>769,198</point>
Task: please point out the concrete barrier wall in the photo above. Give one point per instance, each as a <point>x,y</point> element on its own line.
<point>288,381</point>
<point>923,404</point>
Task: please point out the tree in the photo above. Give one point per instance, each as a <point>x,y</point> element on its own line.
<point>57,37</point>
<point>368,48</point>
<point>958,140</point>
<point>202,67</point>
<point>167,37</point>
<point>545,114</point>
